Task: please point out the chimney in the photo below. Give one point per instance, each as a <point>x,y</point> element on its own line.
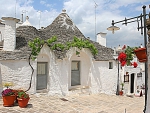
<point>10,33</point>
<point>22,18</point>
<point>63,11</point>
<point>101,38</point>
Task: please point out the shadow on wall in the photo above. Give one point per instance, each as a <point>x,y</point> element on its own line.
<point>104,78</point>
<point>96,76</point>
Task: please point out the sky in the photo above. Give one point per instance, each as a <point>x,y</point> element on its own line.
<point>90,16</point>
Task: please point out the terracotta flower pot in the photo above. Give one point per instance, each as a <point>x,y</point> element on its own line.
<point>9,100</point>
<point>141,54</point>
<point>121,92</point>
<point>23,102</point>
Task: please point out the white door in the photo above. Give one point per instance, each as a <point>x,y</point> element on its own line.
<point>41,76</point>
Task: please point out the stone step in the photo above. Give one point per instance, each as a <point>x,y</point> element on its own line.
<point>83,90</point>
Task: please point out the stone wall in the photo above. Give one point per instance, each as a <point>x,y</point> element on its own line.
<point>18,72</point>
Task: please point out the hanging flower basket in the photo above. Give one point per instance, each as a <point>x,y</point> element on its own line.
<point>126,56</point>
<point>141,54</point>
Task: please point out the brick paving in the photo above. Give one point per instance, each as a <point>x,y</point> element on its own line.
<point>99,103</point>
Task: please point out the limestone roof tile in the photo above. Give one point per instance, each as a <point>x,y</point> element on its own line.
<point>62,27</point>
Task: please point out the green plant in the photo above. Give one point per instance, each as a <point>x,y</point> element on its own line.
<point>37,44</point>
<point>130,54</point>
<point>122,86</point>
<point>22,94</point>
<point>81,43</point>
<point>127,55</point>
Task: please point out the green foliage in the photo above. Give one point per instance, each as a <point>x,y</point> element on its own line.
<point>130,53</point>
<point>37,44</point>
<point>58,47</point>
<point>51,40</point>
<point>80,43</point>
<point>122,85</point>
<point>22,94</point>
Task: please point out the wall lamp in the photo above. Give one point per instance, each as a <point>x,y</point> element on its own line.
<point>142,19</point>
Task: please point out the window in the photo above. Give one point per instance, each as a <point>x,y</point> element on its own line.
<point>139,74</point>
<point>110,65</point>
<point>126,77</point>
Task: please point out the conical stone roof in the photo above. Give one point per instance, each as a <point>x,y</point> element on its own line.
<point>64,29</point>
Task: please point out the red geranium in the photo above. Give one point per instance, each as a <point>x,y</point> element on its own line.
<point>122,57</point>
<point>134,64</point>
<point>127,56</point>
<point>123,63</point>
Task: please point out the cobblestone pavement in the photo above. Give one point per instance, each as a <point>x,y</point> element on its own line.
<point>100,103</point>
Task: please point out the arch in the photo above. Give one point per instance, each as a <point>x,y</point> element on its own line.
<point>85,59</point>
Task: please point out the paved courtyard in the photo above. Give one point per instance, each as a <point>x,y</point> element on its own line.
<point>100,103</point>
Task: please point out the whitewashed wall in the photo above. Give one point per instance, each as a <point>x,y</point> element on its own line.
<point>2,28</point>
<point>17,72</point>
<point>104,80</point>
<point>57,72</point>
<point>95,74</point>
<point>10,35</point>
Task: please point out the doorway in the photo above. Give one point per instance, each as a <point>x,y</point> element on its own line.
<point>132,83</point>
<point>75,73</point>
<point>41,82</point>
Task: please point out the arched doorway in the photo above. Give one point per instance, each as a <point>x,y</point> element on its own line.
<point>132,83</point>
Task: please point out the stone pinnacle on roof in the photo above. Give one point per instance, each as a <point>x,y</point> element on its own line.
<point>64,11</point>
<point>26,23</point>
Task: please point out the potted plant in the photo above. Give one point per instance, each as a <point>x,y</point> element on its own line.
<point>121,91</point>
<point>127,55</point>
<point>141,54</point>
<point>22,98</point>
<point>8,95</point>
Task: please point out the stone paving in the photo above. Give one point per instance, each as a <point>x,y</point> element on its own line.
<point>99,103</point>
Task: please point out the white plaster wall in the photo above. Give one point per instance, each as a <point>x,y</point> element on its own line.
<point>18,72</point>
<point>103,79</point>
<point>57,72</point>
<point>95,74</point>
<point>10,35</point>
<point>85,64</point>
<point>2,28</point>
<point>101,39</point>
<point>134,71</point>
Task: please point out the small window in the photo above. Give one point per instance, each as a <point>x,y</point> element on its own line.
<point>139,74</point>
<point>126,77</point>
<point>110,65</point>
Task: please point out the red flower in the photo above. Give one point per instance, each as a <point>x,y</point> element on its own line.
<point>123,47</point>
<point>123,63</point>
<point>134,64</point>
<point>122,57</point>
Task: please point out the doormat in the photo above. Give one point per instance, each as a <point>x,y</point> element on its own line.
<point>63,99</point>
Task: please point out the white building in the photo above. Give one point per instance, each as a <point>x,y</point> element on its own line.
<point>58,72</point>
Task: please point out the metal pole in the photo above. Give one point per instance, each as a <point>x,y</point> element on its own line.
<point>117,92</point>
<point>145,44</point>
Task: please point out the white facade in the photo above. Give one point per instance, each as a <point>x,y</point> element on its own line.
<point>10,33</point>
<point>94,74</point>
<point>2,27</point>
<point>101,38</point>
